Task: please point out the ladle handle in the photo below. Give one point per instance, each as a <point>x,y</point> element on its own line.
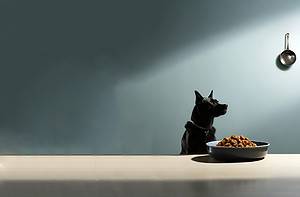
<point>286,41</point>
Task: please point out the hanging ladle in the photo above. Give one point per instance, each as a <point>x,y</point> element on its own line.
<point>287,57</point>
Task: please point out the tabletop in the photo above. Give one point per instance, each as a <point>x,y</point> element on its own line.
<point>147,175</point>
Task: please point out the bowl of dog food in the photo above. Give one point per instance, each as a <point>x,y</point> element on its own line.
<point>237,148</point>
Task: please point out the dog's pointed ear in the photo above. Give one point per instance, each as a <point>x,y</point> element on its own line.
<point>211,94</point>
<point>199,98</point>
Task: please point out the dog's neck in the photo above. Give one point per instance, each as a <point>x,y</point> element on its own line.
<point>207,124</point>
<point>202,119</point>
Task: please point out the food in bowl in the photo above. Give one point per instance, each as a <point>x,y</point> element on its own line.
<point>236,141</point>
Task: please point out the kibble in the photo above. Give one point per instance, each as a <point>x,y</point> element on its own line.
<point>236,141</point>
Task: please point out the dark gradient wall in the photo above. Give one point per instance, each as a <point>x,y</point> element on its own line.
<point>106,77</point>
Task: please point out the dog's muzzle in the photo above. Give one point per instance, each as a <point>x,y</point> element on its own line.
<point>220,109</point>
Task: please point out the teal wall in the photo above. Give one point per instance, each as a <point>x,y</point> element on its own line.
<point>118,76</point>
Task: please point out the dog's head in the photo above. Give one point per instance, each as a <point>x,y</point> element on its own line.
<point>207,107</point>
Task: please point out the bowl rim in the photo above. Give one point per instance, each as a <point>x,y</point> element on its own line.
<point>212,144</point>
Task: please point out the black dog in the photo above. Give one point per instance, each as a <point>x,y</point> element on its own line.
<point>200,130</point>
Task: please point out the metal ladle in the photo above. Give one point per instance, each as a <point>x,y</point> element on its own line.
<point>287,57</point>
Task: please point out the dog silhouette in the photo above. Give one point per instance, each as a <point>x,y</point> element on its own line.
<point>200,129</point>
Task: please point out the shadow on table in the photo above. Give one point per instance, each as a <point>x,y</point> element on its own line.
<point>208,159</point>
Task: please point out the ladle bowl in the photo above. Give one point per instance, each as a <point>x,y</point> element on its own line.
<point>287,57</point>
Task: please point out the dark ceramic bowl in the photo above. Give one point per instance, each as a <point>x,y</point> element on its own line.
<point>237,154</point>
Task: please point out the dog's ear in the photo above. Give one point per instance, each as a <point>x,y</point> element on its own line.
<point>199,98</point>
<point>211,94</point>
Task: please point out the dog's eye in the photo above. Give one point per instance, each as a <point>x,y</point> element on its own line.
<point>215,101</point>
<point>210,104</point>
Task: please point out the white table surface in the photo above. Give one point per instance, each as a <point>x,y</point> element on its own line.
<point>151,175</point>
